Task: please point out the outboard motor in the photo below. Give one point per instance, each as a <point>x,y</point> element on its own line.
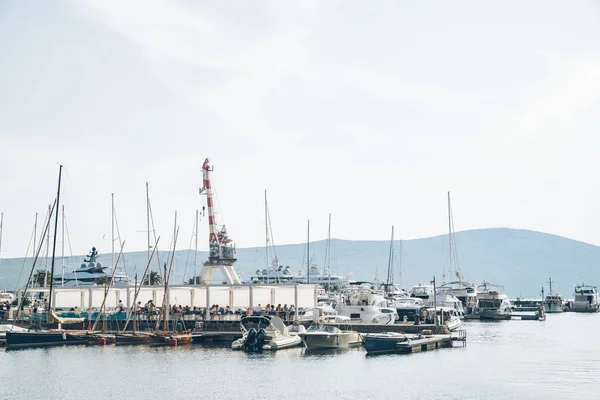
<point>261,336</point>
<point>250,342</point>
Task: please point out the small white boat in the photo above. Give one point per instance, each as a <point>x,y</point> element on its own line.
<point>265,333</point>
<point>320,336</point>
<point>554,302</point>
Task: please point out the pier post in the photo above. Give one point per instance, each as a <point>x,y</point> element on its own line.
<point>129,305</point>
<point>192,295</point>
<point>89,308</point>
<point>296,302</point>
<point>272,297</point>
<point>207,312</point>
<point>250,298</point>
<point>231,298</point>
<point>82,300</point>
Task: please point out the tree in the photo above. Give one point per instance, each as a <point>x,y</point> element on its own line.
<point>103,280</point>
<point>197,280</point>
<point>153,279</point>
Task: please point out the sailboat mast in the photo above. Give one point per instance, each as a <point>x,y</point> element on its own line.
<point>35,231</point>
<point>48,247</point>
<point>308,254</point>
<point>148,218</point>
<point>550,282</point>
<point>62,232</point>
<point>54,241</point>
<point>267,235</point>
<point>196,252</point>
<point>329,250</point>
<point>1,228</point>
<point>390,273</point>
<point>112,229</point>
<point>449,236</point>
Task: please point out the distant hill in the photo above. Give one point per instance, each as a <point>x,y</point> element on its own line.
<point>521,260</point>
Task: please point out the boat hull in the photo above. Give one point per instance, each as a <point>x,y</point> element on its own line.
<point>283,342</point>
<point>161,339</point>
<point>320,340</point>
<point>382,343</point>
<point>132,338</point>
<point>21,340</point>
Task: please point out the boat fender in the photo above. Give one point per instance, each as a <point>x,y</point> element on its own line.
<point>64,336</point>
<point>405,320</point>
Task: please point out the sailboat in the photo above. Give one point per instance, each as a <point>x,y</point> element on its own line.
<point>165,336</point>
<point>52,337</point>
<point>464,291</point>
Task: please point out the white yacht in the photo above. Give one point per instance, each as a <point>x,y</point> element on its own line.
<point>407,307</point>
<point>422,291</point>
<point>444,299</point>
<point>321,336</point>
<point>446,316</point>
<point>554,302</point>
<point>492,303</point>
<point>465,291</point>
<point>586,298</point>
<point>264,333</point>
<point>362,305</point>
<point>89,272</point>
<point>275,274</point>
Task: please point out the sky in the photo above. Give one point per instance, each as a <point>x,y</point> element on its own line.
<point>370,111</point>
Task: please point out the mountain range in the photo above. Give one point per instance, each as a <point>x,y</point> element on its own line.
<point>521,260</point>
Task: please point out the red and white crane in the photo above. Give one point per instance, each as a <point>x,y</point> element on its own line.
<point>222,253</point>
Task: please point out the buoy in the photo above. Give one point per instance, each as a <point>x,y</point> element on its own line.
<point>172,342</point>
<point>101,341</point>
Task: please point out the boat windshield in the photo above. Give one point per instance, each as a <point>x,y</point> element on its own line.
<point>491,303</point>
<point>323,328</point>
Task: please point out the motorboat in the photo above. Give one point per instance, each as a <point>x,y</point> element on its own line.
<point>364,306</point>
<point>321,336</point>
<point>444,299</point>
<point>447,316</point>
<point>264,333</point>
<point>422,291</point>
<point>89,272</point>
<point>312,313</point>
<point>407,307</point>
<point>383,342</point>
<point>464,291</point>
<point>586,298</point>
<point>492,303</point>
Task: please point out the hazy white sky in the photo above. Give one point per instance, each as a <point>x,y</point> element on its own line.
<point>370,111</point>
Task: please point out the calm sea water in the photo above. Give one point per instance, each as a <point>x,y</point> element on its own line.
<point>554,359</point>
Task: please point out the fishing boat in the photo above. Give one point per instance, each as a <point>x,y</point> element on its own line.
<point>553,302</point>
<point>586,298</point>
<point>383,342</point>
<point>492,303</point>
<point>321,336</point>
<point>264,333</point>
